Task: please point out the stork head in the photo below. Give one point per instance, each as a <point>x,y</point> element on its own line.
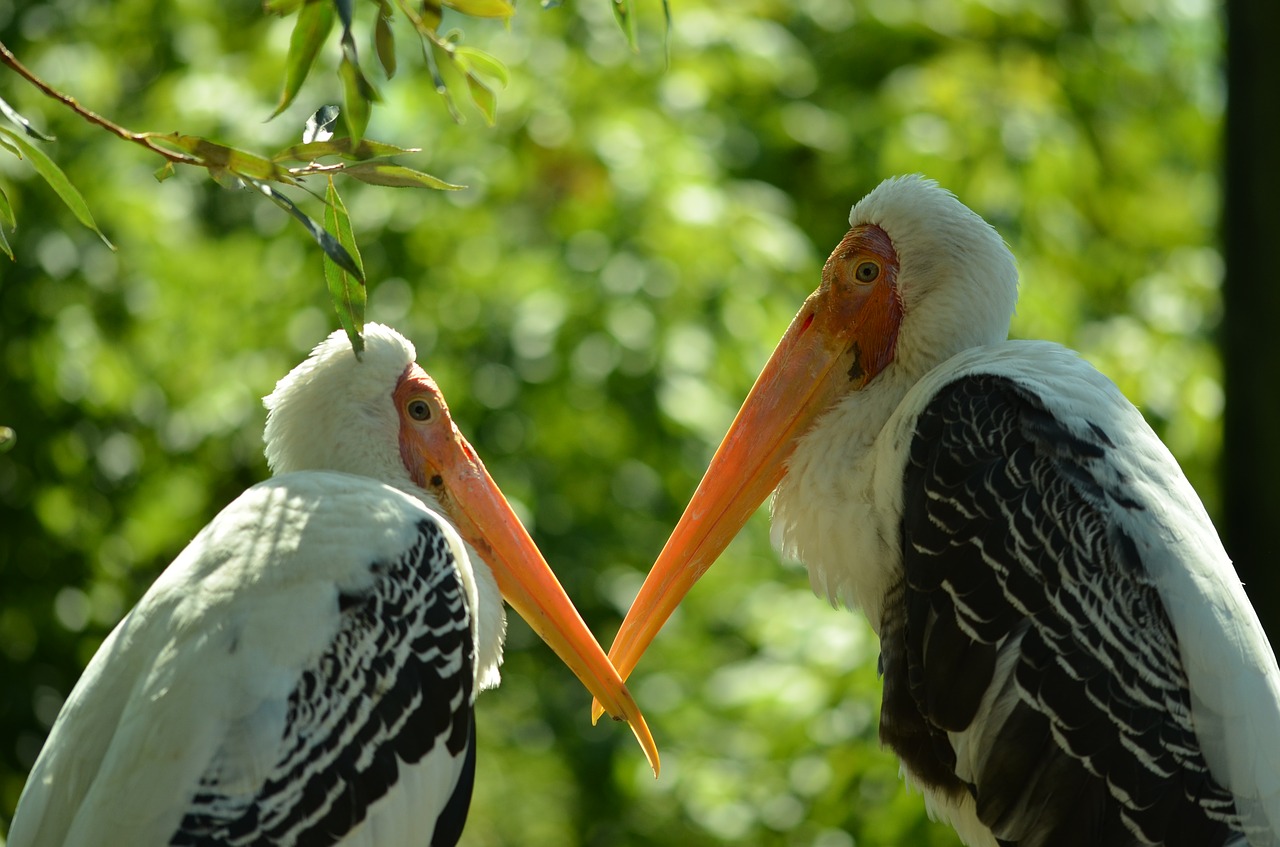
<point>382,416</point>
<point>918,278</point>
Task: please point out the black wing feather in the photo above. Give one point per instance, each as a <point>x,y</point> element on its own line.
<point>1008,549</point>
<point>397,678</point>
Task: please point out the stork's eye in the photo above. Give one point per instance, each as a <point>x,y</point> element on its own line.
<point>866,272</point>
<point>419,410</point>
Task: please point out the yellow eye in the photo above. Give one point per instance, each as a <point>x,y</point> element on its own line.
<point>419,410</point>
<point>866,272</point>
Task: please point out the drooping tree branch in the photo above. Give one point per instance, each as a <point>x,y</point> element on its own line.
<point>146,139</point>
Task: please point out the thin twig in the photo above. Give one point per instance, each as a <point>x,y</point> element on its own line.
<point>143,138</point>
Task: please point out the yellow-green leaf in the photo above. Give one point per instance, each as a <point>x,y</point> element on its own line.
<point>430,17</point>
<point>347,291</point>
<point>626,18</point>
<point>398,176</point>
<point>7,438</point>
<point>315,20</point>
<point>281,7</point>
<point>6,209</point>
<point>483,97</point>
<point>482,8</point>
<point>57,181</point>
<point>367,148</point>
<point>470,59</point>
<point>221,158</point>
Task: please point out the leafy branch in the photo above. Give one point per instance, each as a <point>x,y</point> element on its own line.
<point>449,62</point>
<point>365,160</point>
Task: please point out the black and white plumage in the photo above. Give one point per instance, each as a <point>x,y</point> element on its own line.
<point>304,672</point>
<point>1068,655</point>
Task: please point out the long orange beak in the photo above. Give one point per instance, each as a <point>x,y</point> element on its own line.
<point>843,335</point>
<point>485,520</point>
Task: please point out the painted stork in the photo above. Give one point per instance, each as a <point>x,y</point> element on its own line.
<point>304,672</point>
<point>1068,656</point>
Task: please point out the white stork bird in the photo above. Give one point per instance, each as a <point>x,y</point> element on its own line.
<point>304,672</point>
<point>1068,655</point>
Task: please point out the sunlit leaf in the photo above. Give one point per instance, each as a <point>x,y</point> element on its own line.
<point>319,126</point>
<point>367,148</point>
<point>481,62</point>
<point>483,8</point>
<point>58,182</point>
<point>7,436</point>
<point>315,20</point>
<point>327,242</point>
<point>384,42</point>
<point>10,113</point>
<point>483,97</point>
<point>281,7</point>
<point>11,147</point>
<point>164,171</point>
<point>382,173</point>
<point>221,158</point>
<point>345,289</point>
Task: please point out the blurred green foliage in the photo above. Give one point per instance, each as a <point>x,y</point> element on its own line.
<point>635,237</point>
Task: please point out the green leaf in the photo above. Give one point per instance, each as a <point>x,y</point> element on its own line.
<point>4,245</point>
<point>12,114</point>
<point>483,8</point>
<point>281,7</point>
<point>6,209</point>
<point>58,182</point>
<point>626,20</point>
<point>315,20</point>
<point>430,17</point>
<point>219,158</point>
<point>384,42</point>
<point>483,97</point>
<point>327,242</point>
<point>11,147</point>
<point>398,176</point>
<point>7,437</point>
<point>666,30</point>
<point>437,79</point>
<point>164,172</point>
<point>347,292</point>
<point>470,59</point>
<point>358,95</point>
<point>343,147</point>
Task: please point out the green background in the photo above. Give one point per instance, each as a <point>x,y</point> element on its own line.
<point>635,236</point>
